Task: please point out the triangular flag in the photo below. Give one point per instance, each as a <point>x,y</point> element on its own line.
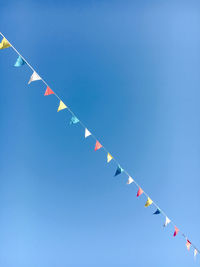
<point>109,157</point>
<point>87,133</point>
<point>195,253</point>
<point>74,120</point>
<point>20,62</point>
<point>176,231</point>
<point>167,221</point>
<point>140,192</point>
<point>157,212</point>
<point>61,106</point>
<point>188,244</point>
<point>48,91</point>
<point>4,43</point>
<point>118,171</point>
<point>34,77</point>
<point>148,203</point>
<point>97,146</point>
<point>130,180</point>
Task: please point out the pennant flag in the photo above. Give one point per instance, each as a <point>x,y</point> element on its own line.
<point>176,231</point>
<point>167,221</point>
<point>109,157</point>
<point>61,106</point>
<point>48,91</point>
<point>20,62</point>
<point>130,180</point>
<point>4,43</point>
<point>148,203</point>
<point>195,253</point>
<point>118,171</point>
<point>157,212</point>
<point>140,192</point>
<point>97,146</point>
<point>74,120</point>
<point>34,77</point>
<point>188,244</point>
<point>87,133</point>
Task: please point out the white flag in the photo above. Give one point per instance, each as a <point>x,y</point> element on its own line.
<point>195,253</point>
<point>167,221</point>
<point>130,180</point>
<point>34,77</point>
<point>87,133</point>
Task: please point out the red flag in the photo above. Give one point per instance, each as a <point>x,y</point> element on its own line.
<point>188,244</point>
<point>140,191</point>
<point>48,91</point>
<point>176,231</point>
<point>97,146</point>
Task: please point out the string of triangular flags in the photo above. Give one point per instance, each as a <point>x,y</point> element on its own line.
<point>35,77</point>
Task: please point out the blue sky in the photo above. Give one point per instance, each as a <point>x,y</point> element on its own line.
<point>130,71</point>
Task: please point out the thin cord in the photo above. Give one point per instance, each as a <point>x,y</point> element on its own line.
<point>83,125</point>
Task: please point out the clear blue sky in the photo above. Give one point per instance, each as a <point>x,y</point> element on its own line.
<point>130,72</point>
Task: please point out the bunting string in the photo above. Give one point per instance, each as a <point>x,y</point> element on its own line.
<point>98,145</point>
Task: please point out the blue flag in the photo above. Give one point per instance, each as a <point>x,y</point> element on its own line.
<point>20,62</point>
<point>118,171</point>
<point>74,120</point>
<point>157,212</point>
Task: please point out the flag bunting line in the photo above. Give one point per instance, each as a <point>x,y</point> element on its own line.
<point>107,152</point>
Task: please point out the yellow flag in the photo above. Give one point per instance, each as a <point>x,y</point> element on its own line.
<point>149,202</point>
<point>4,43</point>
<point>61,106</point>
<point>109,157</point>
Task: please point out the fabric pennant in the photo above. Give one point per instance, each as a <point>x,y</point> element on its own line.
<point>176,231</point>
<point>4,43</point>
<point>157,212</point>
<point>48,91</point>
<point>34,77</point>
<point>148,203</point>
<point>140,192</point>
<point>188,244</point>
<point>109,157</point>
<point>195,253</point>
<point>87,133</point>
<point>61,106</point>
<point>74,120</point>
<point>118,171</point>
<point>97,146</point>
<point>167,221</point>
<point>130,180</point>
<point>20,62</point>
